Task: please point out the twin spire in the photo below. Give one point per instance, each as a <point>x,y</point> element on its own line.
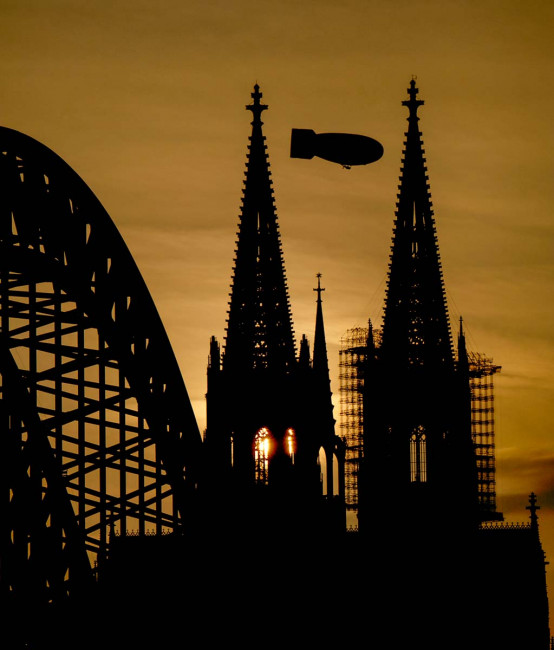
<point>416,329</point>
<point>260,333</point>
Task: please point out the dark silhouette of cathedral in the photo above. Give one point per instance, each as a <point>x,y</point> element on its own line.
<point>450,574</point>
<point>418,445</point>
<point>270,425</point>
<point>431,565</point>
<point>426,562</point>
<point>122,526</point>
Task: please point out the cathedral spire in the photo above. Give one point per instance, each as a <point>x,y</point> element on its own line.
<point>417,406</point>
<point>416,328</point>
<point>259,329</point>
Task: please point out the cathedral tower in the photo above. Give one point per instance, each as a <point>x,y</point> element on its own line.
<point>265,422</point>
<point>417,418</point>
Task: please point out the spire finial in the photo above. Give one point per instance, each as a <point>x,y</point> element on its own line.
<point>413,103</point>
<point>256,107</point>
<point>533,507</point>
<point>318,289</point>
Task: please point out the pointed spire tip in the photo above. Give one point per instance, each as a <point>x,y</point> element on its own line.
<point>413,103</point>
<point>318,288</point>
<point>256,107</point>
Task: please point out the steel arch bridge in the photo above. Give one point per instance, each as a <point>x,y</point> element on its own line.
<point>97,430</point>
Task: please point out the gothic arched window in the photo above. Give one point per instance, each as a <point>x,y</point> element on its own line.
<point>418,456</point>
<point>262,449</point>
<point>290,443</point>
<point>322,462</point>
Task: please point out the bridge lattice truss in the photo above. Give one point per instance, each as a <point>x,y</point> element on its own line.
<point>97,430</point>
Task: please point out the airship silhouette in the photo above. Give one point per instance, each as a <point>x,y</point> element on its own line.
<point>346,149</point>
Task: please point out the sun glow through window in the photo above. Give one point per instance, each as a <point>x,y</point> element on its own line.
<point>290,443</point>
<point>262,449</point>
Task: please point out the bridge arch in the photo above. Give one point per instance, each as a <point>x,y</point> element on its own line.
<point>107,418</point>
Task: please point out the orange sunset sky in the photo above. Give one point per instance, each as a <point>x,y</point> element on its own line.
<point>146,102</point>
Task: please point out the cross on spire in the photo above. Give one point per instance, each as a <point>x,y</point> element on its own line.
<point>533,507</point>
<point>413,103</point>
<point>256,107</point>
<point>320,362</point>
<point>318,289</point>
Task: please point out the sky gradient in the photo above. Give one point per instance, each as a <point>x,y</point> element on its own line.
<point>146,103</point>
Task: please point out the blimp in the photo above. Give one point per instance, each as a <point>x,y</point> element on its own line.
<point>346,149</point>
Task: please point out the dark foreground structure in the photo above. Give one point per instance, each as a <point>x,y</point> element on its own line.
<point>121,526</point>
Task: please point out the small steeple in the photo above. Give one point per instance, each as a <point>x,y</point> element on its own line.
<point>304,354</point>
<point>320,362</point>
<point>370,338</point>
<point>533,507</point>
<point>463,363</point>
<point>320,366</point>
<point>214,359</point>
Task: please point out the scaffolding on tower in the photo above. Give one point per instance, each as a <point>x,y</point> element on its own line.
<point>481,381</point>
<point>352,358</point>
<point>353,355</point>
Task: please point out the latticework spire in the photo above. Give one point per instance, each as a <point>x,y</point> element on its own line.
<point>259,330</point>
<point>416,330</point>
